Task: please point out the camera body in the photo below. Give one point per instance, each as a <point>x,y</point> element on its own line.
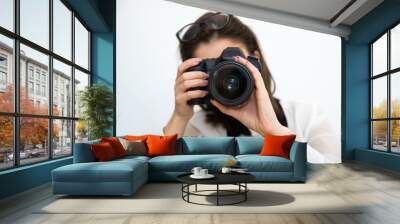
<point>229,82</point>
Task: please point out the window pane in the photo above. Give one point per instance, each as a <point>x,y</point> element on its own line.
<point>379,55</point>
<point>81,131</point>
<point>395,138</point>
<point>6,142</point>
<point>379,97</point>
<point>62,137</point>
<point>81,82</point>
<point>379,135</point>
<point>33,139</point>
<point>6,74</point>
<point>62,89</point>
<point>62,29</point>
<point>395,47</point>
<point>395,94</point>
<point>81,45</point>
<point>34,97</point>
<point>34,16</point>
<point>7,14</point>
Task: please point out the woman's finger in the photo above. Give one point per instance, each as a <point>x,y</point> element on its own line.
<point>191,75</point>
<point>253,70</point>
<point>193,94</point>
<point>187,64</point>
<point>188,84</point>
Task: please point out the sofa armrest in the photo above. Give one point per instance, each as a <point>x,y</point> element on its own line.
<point>298,155</point>
<point>83,152</point>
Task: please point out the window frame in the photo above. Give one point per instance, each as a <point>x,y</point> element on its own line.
<point>16,114</point>
<point>388,74</point>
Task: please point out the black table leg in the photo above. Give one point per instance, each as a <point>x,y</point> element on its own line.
<point>245,193</point>
<point>217,194</point>
<point>182,190</point>
<point>188,190</point>
<point>185,188</point>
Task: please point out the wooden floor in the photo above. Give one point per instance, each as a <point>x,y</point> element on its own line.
<point>378,188</point>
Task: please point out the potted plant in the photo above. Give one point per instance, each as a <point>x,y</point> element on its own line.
<point>97,105</point>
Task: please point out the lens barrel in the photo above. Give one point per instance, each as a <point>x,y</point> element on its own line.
<point>231,83</point>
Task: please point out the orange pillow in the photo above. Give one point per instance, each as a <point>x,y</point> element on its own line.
<point>103,152</point>
<point>116,145</point>
<point>277,145</point>
<point>161,145</point>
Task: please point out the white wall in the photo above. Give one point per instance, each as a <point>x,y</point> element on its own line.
<point>305,64</point>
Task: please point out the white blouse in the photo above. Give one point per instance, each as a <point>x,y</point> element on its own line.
<point>307,121</point>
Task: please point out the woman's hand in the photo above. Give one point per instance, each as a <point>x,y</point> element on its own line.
<point>185,81</point>
<point>257,113</point>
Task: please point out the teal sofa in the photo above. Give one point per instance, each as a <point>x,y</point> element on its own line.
<point>125,176</point>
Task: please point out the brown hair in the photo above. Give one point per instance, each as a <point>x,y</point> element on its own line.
<point>238,31</point>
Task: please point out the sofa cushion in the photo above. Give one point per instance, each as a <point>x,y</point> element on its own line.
<point>249,145</point>
<point>185,163</point>
<point>134,147</point>
<point>103,152</point>
<point>206,145</point>
<point>83,152</point>
<point>111,171</point>
<point>277,145</point>
<point>161,145</point>
<point>257,163</point>
<point>116,145</point>
<point>132,158</point>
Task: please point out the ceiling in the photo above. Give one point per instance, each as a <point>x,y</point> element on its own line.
<point>326,16</point>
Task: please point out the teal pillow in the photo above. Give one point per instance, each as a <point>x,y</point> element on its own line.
<point>249,145</point>
<point>206,145</point>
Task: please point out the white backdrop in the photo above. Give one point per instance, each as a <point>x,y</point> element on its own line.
<point>306,65</point>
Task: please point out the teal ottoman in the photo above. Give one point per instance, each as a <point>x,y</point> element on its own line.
<point>118,177</point>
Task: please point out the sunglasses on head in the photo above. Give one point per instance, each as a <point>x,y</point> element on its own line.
<point>215,21</point>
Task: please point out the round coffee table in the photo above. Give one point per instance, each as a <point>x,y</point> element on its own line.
<point>238,179</point>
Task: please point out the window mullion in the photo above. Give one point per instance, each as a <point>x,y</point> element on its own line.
<point>50,81</point>
<point>73,82</point>
<point>16,84</point>
<point>389,102</point>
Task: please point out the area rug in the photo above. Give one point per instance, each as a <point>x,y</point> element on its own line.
<point>166,198</point>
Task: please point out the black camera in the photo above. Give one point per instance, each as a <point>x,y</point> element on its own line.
<point>229,82</point>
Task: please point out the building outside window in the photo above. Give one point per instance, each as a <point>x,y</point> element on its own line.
<point>3,78</point>
<point>60,127</point>
<point>43,90</point>
<point>3,72</point>
<point>44,77</point>
<point>37,74</point>
<point>30,72</point>
<point>30,87</point>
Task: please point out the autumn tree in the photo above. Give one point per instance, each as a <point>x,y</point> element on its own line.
<point>380,127</point>
<point>33,131</point>
<point>6,122</point>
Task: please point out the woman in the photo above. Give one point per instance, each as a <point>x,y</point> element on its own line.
<point>262,114</point>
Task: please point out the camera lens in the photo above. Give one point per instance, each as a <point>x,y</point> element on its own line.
<point>231,84</point>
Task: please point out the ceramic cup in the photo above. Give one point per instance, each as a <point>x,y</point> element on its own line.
<point>226,170</point>
<point>196,171</point>
<point>203,172</point>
